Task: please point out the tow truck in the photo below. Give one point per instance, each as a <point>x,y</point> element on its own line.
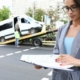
<point>33,38</point>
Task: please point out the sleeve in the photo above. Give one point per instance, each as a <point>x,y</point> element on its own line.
<point>56,47</point>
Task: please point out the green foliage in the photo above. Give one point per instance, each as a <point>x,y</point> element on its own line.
<point>54,16</point>
<point>29,12</point>
<point>4,13</point>
<point>65,21</point>
<point>38,14</point>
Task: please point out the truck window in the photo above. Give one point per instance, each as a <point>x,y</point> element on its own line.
<point>24,20</point>
<point>6,26</point>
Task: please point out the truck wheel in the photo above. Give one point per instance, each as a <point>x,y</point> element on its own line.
<point>36,42</point>
<point>2,39</point>
<point>32,31</point>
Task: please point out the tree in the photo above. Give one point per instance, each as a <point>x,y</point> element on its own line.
<point>53,14</point>
<point>4,13</point>
<point>64,18</point>
<point>38,13</point>
<point>29,12</point>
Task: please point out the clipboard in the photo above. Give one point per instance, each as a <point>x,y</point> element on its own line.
<point>47,61</point>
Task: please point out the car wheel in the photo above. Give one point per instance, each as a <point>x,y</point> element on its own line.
<point>32,31</point>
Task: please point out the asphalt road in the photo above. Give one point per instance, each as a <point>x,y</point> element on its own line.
<point>11,68</point>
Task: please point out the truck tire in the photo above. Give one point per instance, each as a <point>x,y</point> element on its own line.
<point>36,42</point>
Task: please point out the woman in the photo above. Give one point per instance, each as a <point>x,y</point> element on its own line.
<point>68,43</point>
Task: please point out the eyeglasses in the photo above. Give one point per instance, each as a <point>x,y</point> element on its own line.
<point>73,8</point>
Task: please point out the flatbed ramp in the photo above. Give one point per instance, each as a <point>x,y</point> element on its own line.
<point>30,36</point>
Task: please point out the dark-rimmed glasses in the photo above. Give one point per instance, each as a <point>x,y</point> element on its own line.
<point>73,8</point>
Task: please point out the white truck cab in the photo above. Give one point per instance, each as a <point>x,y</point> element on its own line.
<point>28,26</point>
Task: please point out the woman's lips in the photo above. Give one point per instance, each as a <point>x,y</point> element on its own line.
<point>71,16</point>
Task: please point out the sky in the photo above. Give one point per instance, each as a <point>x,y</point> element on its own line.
<point>4,3</point>
<point>9,3</point>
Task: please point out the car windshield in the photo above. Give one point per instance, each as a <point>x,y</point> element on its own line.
<point>30,19</point>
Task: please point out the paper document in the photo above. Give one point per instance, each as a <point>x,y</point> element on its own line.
<point>45,61</point>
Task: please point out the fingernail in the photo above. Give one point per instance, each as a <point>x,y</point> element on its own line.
<point>56,60</point>
<point>61,64</point>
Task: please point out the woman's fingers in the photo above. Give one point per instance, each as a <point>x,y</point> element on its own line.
<point>61,59</point>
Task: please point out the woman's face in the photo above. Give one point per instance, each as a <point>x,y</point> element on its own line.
<point>72,9</point>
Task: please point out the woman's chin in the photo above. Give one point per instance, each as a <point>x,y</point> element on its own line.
<point>72,19</point>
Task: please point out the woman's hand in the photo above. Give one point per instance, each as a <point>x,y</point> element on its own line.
<point>37,67</point>
<point>68,60</point>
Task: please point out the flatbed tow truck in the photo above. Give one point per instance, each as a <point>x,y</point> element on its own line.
<point>34,38</point>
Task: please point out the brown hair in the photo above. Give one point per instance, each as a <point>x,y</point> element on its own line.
<point>77,2</point>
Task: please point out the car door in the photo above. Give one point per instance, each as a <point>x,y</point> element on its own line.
<point>24,26</point>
